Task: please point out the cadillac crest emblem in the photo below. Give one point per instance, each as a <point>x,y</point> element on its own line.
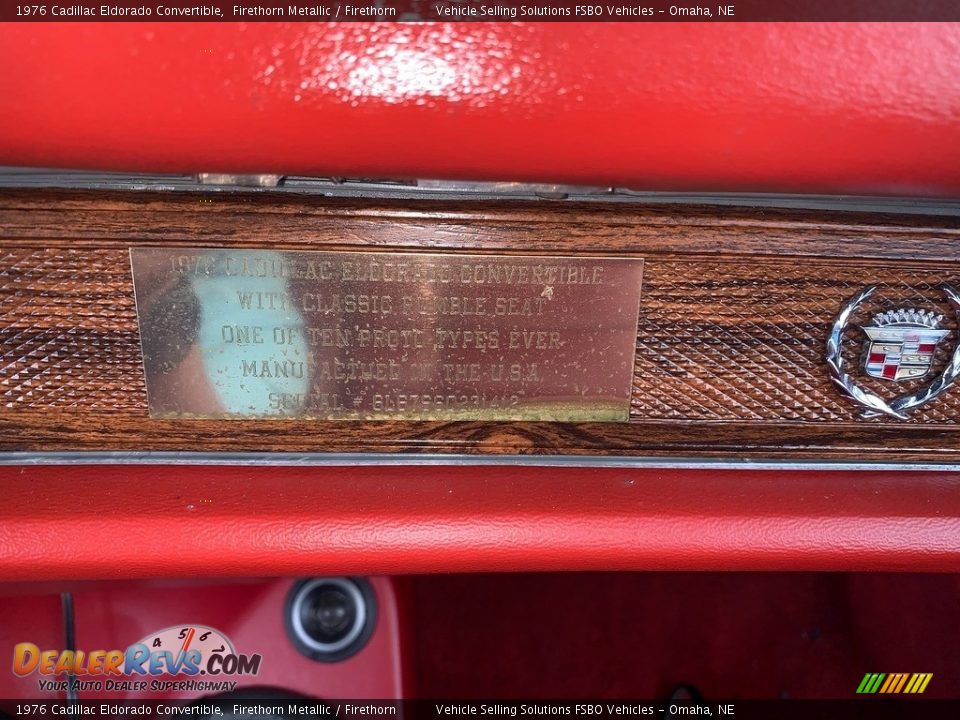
<point>902,344</point>
<point>899,345</point>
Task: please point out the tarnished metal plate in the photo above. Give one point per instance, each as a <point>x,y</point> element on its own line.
<point>393,336</point>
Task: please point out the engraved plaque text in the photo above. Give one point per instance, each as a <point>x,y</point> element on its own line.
<point>386,336</point>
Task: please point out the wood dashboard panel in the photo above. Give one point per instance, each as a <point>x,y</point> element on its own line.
<point>735,310</point>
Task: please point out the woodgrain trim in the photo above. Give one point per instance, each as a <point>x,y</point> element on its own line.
<point>117,219</point>
<point>700,259</point>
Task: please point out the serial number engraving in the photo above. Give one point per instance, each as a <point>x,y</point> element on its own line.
<point>386,336</point>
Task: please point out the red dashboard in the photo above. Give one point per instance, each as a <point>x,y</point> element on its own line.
<point>860,108</point>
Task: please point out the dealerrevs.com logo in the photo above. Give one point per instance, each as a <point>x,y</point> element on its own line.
<point>202,657</point>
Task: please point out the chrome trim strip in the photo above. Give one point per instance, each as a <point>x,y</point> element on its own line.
<point>40,178</point>
<point>392,459</point>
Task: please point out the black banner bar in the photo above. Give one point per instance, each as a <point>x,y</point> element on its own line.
<point>274,706</point>
<point>480,11</point>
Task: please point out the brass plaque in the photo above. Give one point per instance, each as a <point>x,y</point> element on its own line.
<point>386,336</point>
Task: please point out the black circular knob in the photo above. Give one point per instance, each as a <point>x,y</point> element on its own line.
<point>330,619</point>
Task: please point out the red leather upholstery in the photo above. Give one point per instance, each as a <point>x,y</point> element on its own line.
<point>840,108</point>
<point>125,522</point>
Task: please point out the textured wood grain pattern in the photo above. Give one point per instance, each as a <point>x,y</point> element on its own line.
<point>735,310</point>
